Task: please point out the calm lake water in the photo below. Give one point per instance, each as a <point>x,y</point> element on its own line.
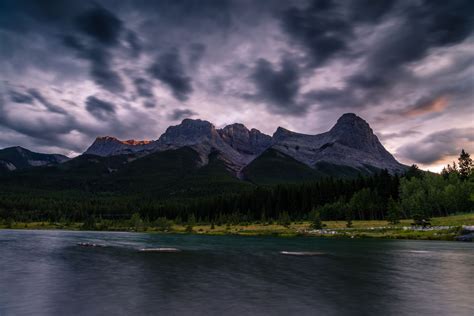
<point>46,273</point>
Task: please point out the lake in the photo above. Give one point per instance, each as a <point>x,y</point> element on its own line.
<point>47,273</point>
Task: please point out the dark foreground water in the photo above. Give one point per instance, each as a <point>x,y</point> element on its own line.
<point>46,273</point>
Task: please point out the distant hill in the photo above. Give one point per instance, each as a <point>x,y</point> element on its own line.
<point>16,158</point>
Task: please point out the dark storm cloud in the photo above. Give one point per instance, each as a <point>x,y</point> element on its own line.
<point>27,15</point>
<point>325,29</point>
<point>179,114</point>
<point>202,15</point>
<point>74,43</point>
<point>143,87</point>
<point>105,29</point>
<point>368,81</point>
<point>439,145</point>
<point>421,27</point>
<point>50,106</point>
<point>100,59</point>
<point>278,88</point>
<point>369,10</point>
<point>18,97</point>
<point>134,44</point>
<point>42,131</point>
<point>320,28</point>
<point>99,108</point>
<point>103,73</point>
<point>34,94</point>
<point>169,69</point>
<point>332,98</point>
<point>196,52</point>
<point>100,24</point>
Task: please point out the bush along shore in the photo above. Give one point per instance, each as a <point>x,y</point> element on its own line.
<point>454,227</point>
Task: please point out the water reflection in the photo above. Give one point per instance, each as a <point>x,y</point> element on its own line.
<point>46,273</point>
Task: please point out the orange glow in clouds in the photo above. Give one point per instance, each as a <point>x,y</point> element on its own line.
<point>436,105</point>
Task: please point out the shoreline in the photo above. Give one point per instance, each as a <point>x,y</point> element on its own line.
<point>333,230</point>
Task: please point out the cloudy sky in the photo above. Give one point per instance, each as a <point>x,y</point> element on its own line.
<point>75,70</point>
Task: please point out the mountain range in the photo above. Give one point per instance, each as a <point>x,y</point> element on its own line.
<point>197,151</point>
<point>351,143</point>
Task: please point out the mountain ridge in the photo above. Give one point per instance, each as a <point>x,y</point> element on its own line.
<point>351,143</point>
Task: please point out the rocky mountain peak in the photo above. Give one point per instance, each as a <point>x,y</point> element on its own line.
<point>105,139</point>
<point>351,123</point>
<point>281,133</point>
<point>246,141</point>
<point>352,131</point>
<point>233,131</point>
<point>21,150</point>
<point>236,126</point>
<point>132,142</point>
<point>108,145</point>
<point>195,123</point>
<point>188,132</point>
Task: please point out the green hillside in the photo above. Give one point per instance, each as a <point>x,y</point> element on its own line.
<point>273,167</point>
<point>166,174</point>
<point>174,173</point>
<point>340,171</point>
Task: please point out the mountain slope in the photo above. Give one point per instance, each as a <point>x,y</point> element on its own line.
<point>16,158</point>
<point>174,173</point>
<point>351,142</point>
<point>273,167</point>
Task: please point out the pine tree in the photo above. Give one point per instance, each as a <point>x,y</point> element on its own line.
<point>163,224</point>
<point>393,211</point>
<point>192,219</point>
<point>315,218</point>
<point>445,172</point>
<point>191,223</point>
<point>89,223</point>
<point>465,165</point>
<point>284,219</point>
<point>453,169</point>
<point>413,172</point>
<point>136,221</point>
<point>349,216</point>
<point>263,217</point>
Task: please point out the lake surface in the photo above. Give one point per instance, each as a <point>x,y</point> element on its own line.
<point>47,273</point>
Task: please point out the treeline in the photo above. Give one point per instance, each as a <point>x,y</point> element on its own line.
<point>379,197</point>
<point>270,202</point>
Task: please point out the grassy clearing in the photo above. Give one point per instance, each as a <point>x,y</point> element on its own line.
<point>453,220</point>
<point>336,229</point>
